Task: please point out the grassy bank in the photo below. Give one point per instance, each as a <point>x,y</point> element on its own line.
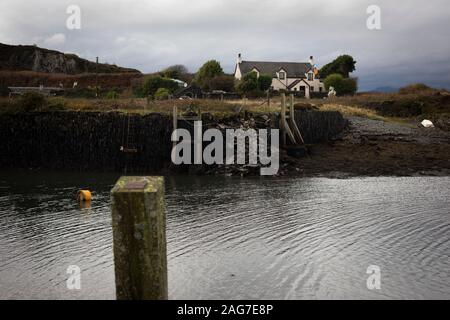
<point>407,108</point>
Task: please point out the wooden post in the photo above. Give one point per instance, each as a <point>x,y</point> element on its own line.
<point>199,114</point>
<point>294,126</point>
<point>139,237</point>
<point>175,122</point>
<point>283,119</point>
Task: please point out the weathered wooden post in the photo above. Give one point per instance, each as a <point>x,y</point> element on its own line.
<point>175,123</point>
<point>139,238</point>
<point>283,120</point>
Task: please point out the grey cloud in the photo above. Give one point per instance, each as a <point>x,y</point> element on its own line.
<point>412,46</point>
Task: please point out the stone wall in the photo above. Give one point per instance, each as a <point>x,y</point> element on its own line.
<point>93,140</point>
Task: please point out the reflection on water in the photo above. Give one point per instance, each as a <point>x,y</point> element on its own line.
<point>236,238</point>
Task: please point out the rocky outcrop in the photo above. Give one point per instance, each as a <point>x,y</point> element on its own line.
<point>32,58</point>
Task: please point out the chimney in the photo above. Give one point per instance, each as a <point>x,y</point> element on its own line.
<point>239,59</point>
<point>311,61</point>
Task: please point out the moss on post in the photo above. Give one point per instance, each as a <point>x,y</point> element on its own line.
<point>139,237</point>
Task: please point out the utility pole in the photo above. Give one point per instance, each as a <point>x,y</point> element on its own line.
<point>96,77</point>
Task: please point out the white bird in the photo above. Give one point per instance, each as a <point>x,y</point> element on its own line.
<point>427,124</point>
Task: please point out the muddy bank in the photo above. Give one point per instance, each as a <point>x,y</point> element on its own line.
<point>376,148</point>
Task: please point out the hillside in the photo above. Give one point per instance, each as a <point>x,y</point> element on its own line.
<point>32,58</point>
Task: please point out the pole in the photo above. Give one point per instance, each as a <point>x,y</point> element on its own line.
<point>283,119</point>
<point>139,238</point>
<point>175,122</point>
<point>96,77</point>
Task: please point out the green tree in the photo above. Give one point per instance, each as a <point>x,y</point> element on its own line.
<point>222,82</point>
<point>248,83</point>
<point>342,65</point>
<point>162,94</point>
<point>208,71</point>
<point>343,86</point>
<point>177,71</point>
<point>153,83</point>
<point>264,82</point>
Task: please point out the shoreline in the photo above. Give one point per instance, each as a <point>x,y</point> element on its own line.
<point>338,148</point>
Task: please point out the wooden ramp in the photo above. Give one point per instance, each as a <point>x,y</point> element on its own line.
<point>288,126</point>
<point>190,117</point>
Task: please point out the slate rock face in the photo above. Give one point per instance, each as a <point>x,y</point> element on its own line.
<point>32,58</point>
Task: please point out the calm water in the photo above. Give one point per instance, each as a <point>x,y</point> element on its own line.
<point>236,238</point>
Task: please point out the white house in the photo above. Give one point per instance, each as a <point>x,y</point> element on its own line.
<point>291,76</point>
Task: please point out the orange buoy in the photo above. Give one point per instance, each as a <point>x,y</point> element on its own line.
<point>84,196</point>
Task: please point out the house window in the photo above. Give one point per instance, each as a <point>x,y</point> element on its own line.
<point>281,75</point>
<point>320,89</point>
<point>302,88</point>
<point>295,89</point>
<point>311,88</point>
<point>310,76</point>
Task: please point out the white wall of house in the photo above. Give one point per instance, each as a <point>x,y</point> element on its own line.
<point>316,85</point>
<point>238,73</point>
<point>283,84</point>
<point>298,86</point>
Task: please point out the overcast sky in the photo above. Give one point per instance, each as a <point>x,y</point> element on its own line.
<point>413,44</point>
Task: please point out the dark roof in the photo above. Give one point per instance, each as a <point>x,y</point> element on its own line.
<point>293,84</point>
<point>293,69</point>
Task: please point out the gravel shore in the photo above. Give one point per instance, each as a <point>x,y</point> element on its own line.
<point>375,148</point>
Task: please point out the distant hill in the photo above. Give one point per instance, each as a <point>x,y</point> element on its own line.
<point>32,58</point>
<point>385,89</point>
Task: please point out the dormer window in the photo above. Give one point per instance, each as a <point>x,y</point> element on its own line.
<point>281,75</point>
<point>310,76</point>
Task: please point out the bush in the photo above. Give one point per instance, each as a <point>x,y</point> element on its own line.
<point>112,94</point>
<point>31,101</point>
<point>56,104</point>
<point>264,82</point>
<point>4,91</point>
<point>162,94</point>
<point>80,93</point>
<point>248,83</point>
<point>223,82</point>
<point>349,86</point>
<point>153,83</point>
<point>343,86</point>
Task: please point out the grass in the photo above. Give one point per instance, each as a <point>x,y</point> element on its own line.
<point>358,105</point>
<point>352,111</point>
<point>355,111</point>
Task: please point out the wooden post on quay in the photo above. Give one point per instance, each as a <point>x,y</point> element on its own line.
<point>139,237</point>
<point>283,120</point>
<point>293,124</point>
<point>175,122</point>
